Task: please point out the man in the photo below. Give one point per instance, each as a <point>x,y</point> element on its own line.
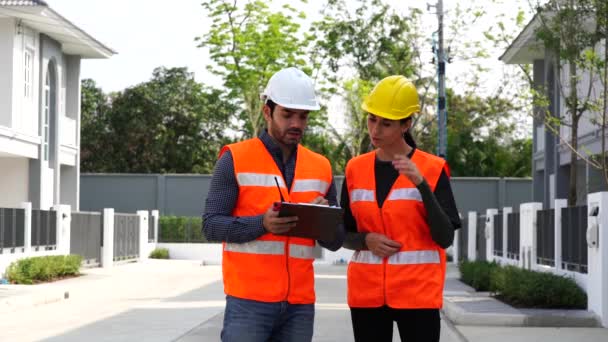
<point>269,278</point>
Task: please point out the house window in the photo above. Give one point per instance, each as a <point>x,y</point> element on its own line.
<point>47,110</point>
<point>27,73</point>
<point>540,138</point>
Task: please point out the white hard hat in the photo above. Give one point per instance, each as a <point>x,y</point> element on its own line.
<point>291,88</point>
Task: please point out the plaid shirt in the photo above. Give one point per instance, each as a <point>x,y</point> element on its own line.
<point>218,222</point>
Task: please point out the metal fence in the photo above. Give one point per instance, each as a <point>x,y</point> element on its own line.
<point>498,243</point>
<point>574,245</point>
<point>185,195</point>
<point>180,229</point>
<point>463,239</point>
<point>44,230</point>
<point>481,238</point>
<point>85,236</point>
<point>126,236</point>
<point>545,238</point>
<point>513,236</point>
<point>12,229</point>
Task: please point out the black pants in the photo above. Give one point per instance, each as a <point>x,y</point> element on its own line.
<point>376,324</point>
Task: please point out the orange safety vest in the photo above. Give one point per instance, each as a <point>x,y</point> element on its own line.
<point>413,277</point>
<point>272,268</point>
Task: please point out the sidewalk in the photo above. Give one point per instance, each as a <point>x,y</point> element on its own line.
<point>173,300</point>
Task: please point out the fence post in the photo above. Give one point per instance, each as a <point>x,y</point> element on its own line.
<point>107,252</point>
<point>143,234</point>
<point>489,233</point>
<point>527,228</point>
<point>64,219</point>
<point>559,204</point>
<point>597,256</point>
<point>472,245</point>
<point>27,226</point>
<point>155,215</point>
<point>505,231</point>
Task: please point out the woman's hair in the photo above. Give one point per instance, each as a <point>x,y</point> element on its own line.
<point>407,136</point>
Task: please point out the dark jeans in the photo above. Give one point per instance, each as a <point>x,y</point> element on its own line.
<point>252,321</point>
<point>376,324</point>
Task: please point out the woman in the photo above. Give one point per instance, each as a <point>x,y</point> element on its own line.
<point>400,215</point>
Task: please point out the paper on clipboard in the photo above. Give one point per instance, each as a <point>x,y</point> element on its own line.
<point>315,221</point>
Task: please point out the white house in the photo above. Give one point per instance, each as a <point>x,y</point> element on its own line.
<point>40,54</point>
<point>551,162</point>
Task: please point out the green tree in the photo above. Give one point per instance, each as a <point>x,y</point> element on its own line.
<point>480,138</point>
<point>370,40</point>
<point>95,107</point>
<point>170,124</point>
<point>248,44</point>
<point>569,32</point>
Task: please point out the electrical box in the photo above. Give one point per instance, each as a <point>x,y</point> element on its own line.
<point>593,227</point>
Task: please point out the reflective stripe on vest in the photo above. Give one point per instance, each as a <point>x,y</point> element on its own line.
<point>366,257</point>
<point>257,247</point>
<point>301,251</point>
<point>405,194</point>
<point>259,179</point>
<point>306,185</point>
<point>362,195</point>
<point>414,257</point>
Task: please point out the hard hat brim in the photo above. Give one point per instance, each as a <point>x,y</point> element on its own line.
<point>299,106</point>
<point>409,112</point>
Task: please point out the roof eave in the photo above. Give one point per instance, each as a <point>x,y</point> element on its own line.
<point>525,48</point>
<point>74,40</point>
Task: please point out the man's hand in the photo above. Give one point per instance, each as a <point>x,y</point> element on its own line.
<point>406,167</point>
<point>277,225</point>
<point>381,245</point>
<point>320,200</point>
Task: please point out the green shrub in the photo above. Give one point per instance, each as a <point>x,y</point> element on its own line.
<point>42,269</point>
<point>181,229</point>
<point>159,253</point>
<point>477,274</point>
<point>521,287</point>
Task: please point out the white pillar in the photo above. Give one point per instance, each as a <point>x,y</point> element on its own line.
<point>107,252</point>
<point>456,248</point>
<point>597,257</point>
<point>27,222</point>
<point>143,234</point>
<point>472,243</point>
<point>505,230</point>
<point>559,204</point>
<point>155,215</point>
<point>489,233</point>
<point>64,218</point>
<point>527,234</point>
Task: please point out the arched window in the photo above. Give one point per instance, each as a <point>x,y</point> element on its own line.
<point>48,113</point>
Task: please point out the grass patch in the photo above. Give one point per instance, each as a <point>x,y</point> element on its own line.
<point>477,274</point>
<point>43,269</point>
<point>159,253</point>
<point>523,288</point>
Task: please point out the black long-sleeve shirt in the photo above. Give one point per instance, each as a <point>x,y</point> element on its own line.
<point>442,214</point>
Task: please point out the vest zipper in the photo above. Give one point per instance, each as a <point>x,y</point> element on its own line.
<point>384,260</point>
<point>287,267</point>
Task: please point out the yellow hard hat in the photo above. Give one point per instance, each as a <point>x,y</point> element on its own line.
<point>393,98</point>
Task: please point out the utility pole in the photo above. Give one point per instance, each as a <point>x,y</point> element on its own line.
<point>440,60</point>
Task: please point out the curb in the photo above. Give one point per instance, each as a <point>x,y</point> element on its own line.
<point>520,317</point>
<point>21,299</point>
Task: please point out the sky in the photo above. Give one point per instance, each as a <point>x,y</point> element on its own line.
<point>150,33</point>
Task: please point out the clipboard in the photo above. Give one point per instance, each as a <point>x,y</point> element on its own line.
<point>315,221</point>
